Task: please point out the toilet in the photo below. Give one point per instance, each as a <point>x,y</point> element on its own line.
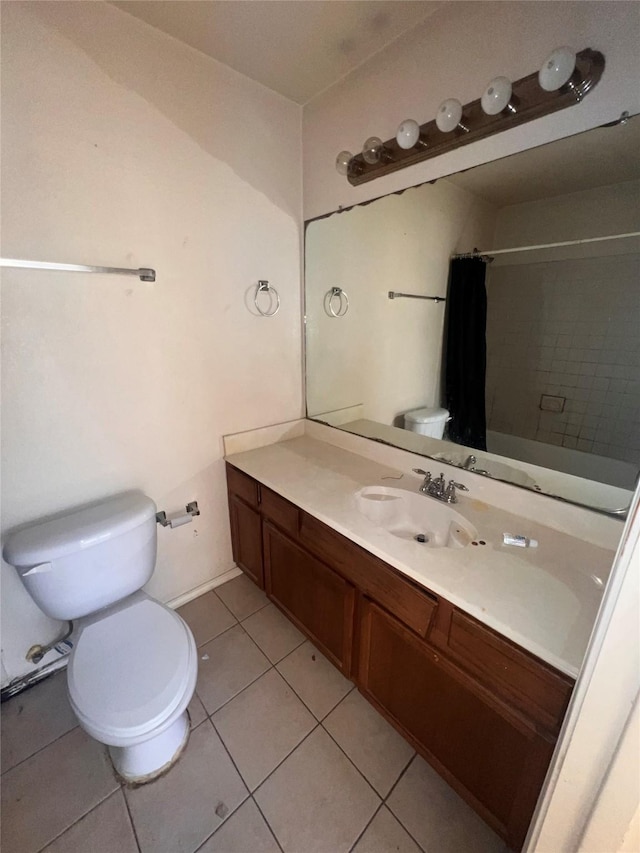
<point>132,670</point>
<point>427,421</point>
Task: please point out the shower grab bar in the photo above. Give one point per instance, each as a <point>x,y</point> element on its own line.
<point>394,295</point>
<point>143,273</point>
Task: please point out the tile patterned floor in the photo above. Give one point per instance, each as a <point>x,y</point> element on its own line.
<point>285,756</point>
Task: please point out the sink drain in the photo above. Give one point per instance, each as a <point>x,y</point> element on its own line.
<point>421,537</point>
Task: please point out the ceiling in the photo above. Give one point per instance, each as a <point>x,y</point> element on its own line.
<point>296,47</point>
<point>599,157</point>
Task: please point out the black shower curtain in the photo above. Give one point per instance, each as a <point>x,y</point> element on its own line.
<point>466,352</point>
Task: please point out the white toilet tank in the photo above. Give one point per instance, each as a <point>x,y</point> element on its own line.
<point>89,558</point>
<point>427,421</point>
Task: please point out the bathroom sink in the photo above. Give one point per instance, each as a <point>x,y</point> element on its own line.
<point>490,467</point>
<point>410,515</point>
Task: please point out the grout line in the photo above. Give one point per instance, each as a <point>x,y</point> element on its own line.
<point>244,799</point>
<point>78,819</point>
<point>133,825</point>
<point>262,607</point>
<point>38,751</point>
<point>269,827</point>
<point>397,817</point>
<point>403,771</point>
<point>369,822</point>
<point>380,797</point>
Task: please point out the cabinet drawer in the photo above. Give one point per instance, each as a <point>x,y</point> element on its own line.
<point>280,511</point>
<point>532,686</point>
<point>243,486</point>
<point>371,576</point>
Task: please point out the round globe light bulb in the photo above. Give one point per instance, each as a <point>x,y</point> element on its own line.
<point>408,134</point>
<point>449,115</point>
<point>372,150</point>
<point>496,96</point>
<point>557,69</point>
<point>342,162</point>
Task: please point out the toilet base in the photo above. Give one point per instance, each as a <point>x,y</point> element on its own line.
<point>145,761</point>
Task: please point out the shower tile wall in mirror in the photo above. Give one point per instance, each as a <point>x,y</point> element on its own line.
<point>562,384</point>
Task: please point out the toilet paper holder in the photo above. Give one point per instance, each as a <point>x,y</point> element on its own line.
<point>191,510</point>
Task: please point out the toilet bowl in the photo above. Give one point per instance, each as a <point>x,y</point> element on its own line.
<point>133,667</point>
<point>131,676</point>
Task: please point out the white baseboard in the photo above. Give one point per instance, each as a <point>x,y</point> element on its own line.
<point>204,587</point>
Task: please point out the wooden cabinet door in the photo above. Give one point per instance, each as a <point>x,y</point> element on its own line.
<point>494,759</point>
<point>246,539</point>
<point>314,597</point>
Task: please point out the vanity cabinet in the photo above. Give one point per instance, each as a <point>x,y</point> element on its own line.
<point>484,712</point>
<point>315,598</point>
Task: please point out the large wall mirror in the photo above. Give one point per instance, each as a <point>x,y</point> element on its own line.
<point>561,383</point>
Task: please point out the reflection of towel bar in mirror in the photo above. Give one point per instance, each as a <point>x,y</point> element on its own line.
<point>143,273</point>
<point>394,295</point>
<point>343,302</point>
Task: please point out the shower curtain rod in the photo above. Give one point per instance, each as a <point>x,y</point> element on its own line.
<point>491,252</point>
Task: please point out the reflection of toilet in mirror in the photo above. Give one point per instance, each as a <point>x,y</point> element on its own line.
<point>133,667</point>
<point>427,421</point>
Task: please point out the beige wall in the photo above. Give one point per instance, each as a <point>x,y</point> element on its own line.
<point>455,53</point>
<point>124,147</point>
<point>385,354</point>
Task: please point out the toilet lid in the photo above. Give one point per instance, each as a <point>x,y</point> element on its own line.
<point>129,670</point>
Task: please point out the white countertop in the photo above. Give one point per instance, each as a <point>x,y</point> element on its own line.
<point>545,599</point>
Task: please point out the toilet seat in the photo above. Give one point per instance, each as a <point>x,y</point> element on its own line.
<point>130,670</point>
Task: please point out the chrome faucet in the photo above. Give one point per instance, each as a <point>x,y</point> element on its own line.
<point>438,488</point>
<point>470,461</point>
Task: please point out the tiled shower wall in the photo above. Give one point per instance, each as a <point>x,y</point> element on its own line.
<point>570,329</point>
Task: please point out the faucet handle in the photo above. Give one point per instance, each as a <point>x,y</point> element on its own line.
<point>458,486</point>
<point>419,471</point>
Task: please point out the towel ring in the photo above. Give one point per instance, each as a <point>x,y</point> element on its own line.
<point>343,305</point>
<point>265,287</point>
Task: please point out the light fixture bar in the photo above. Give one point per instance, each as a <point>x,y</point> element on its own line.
<point>532,102</point>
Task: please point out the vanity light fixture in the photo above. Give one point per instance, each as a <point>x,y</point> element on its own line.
<point>373,151</point>
<point>342,162</point>
<point>557,69</point>
<point>564,80</point>
<point>449,116</point>
<point>408,135</point>
<point>496,98</point>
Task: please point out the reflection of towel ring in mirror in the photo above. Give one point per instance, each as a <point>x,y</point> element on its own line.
<point>343,301</point>
<point>265,287</point>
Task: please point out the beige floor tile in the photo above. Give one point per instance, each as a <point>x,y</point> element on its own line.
<point>176,813</point>
<point>244,832</point>
<point>386,835</point>
<point>373,745</point>
<point>273,632</point>
<point>262,725</point>
<point>197,713</point>
<point>63,781</point>
<point>106,829</point>
<point>35,718</point>
<point>227,665</point>
<point>316,801</point>
<point>207,617</point>
<point>316,681</point>
<point>436,816</point>
<point>242,596</point>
